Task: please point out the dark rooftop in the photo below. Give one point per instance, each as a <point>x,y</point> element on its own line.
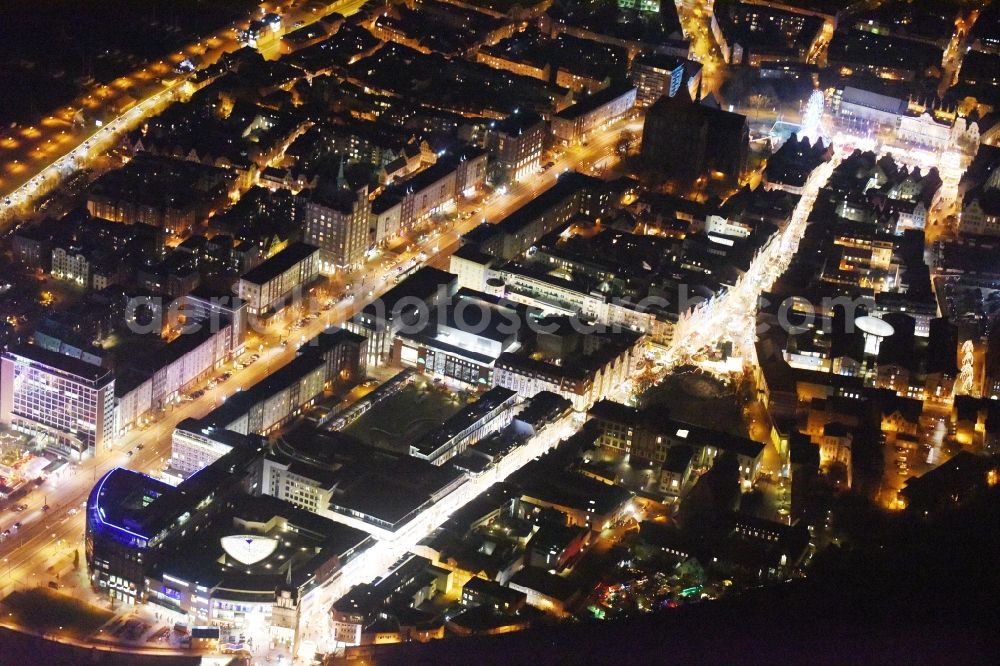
<point>595,101</point>
<point>279,263</point>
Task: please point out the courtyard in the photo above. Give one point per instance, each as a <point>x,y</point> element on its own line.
<point>415,410</point>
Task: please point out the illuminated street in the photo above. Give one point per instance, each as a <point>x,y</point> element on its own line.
<point>388,332</point>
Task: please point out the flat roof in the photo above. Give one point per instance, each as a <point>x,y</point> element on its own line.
<point>564,488</point>
<point>472,252</point>
<point>242,402</point>
<point>873,100</point>
<point>121,500</point>
<point>302,543</point>
<point>61,362</point>
<point>422,285</point>
<point>517,122</point>
<point>549,584</point>
<point>279,263</point>
<point>595,101</point>
<point>434,440</point>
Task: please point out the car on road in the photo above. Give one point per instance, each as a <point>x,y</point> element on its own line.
<point>17,525</point>
<point>139,446</point>
<point>129,453</point>
<point>19,507</point>
<point>73,511</point>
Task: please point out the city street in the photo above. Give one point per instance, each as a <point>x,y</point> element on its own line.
<point>38,158</point>
<point>45,537</point>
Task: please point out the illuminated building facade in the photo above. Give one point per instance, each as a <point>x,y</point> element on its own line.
<point>517,143</point>
<point>130,517</point>
<point>267,287</point>
<point>58,396</point>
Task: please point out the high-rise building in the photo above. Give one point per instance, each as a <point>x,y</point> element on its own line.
<point>335,218</point>
<point>68,400</point>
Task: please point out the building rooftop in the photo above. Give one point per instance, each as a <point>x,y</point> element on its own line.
<point>766,29</point>
<point>292,543</point>
<point>873,100</point>
<point>564,488</point>
<point>595,101</point>
<point>61,362</point>
<point>421,180</point>
<point>242,402</point>
<point>430,443</point>
<point>422,285</point>
<point>660,61</point>
<point>279,263</point>
<point>517,123</point>
<point>472,252</point>
<point>545,583</point>
<point>121,500</point>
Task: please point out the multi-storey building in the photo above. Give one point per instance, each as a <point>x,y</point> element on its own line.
<point>649,435</point>
<point>516,144</point>
<point>266,288</point>
<point>574,124</point>
<point>170,194</point>
<point>70,263</point>
<point>981,207</point>
<point>335,219</point>
<point>587,368</point>
<point>491,413</point>
<point>406,202</point>
<point>155,380</point>
<point>335,356</point>
<point>574,193</point>
<point>194,446</point>
<point>382,319</point>
<point>57,396</point>
<point>463,338</point>
<point>751,33</point>
<point>656,75</point>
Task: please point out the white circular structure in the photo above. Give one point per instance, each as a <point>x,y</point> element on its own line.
<point>874,330</point>
<point>248,548</point>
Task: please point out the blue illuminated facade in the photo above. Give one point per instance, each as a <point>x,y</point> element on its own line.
<point>130,516</point>
<point>118,523</point>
